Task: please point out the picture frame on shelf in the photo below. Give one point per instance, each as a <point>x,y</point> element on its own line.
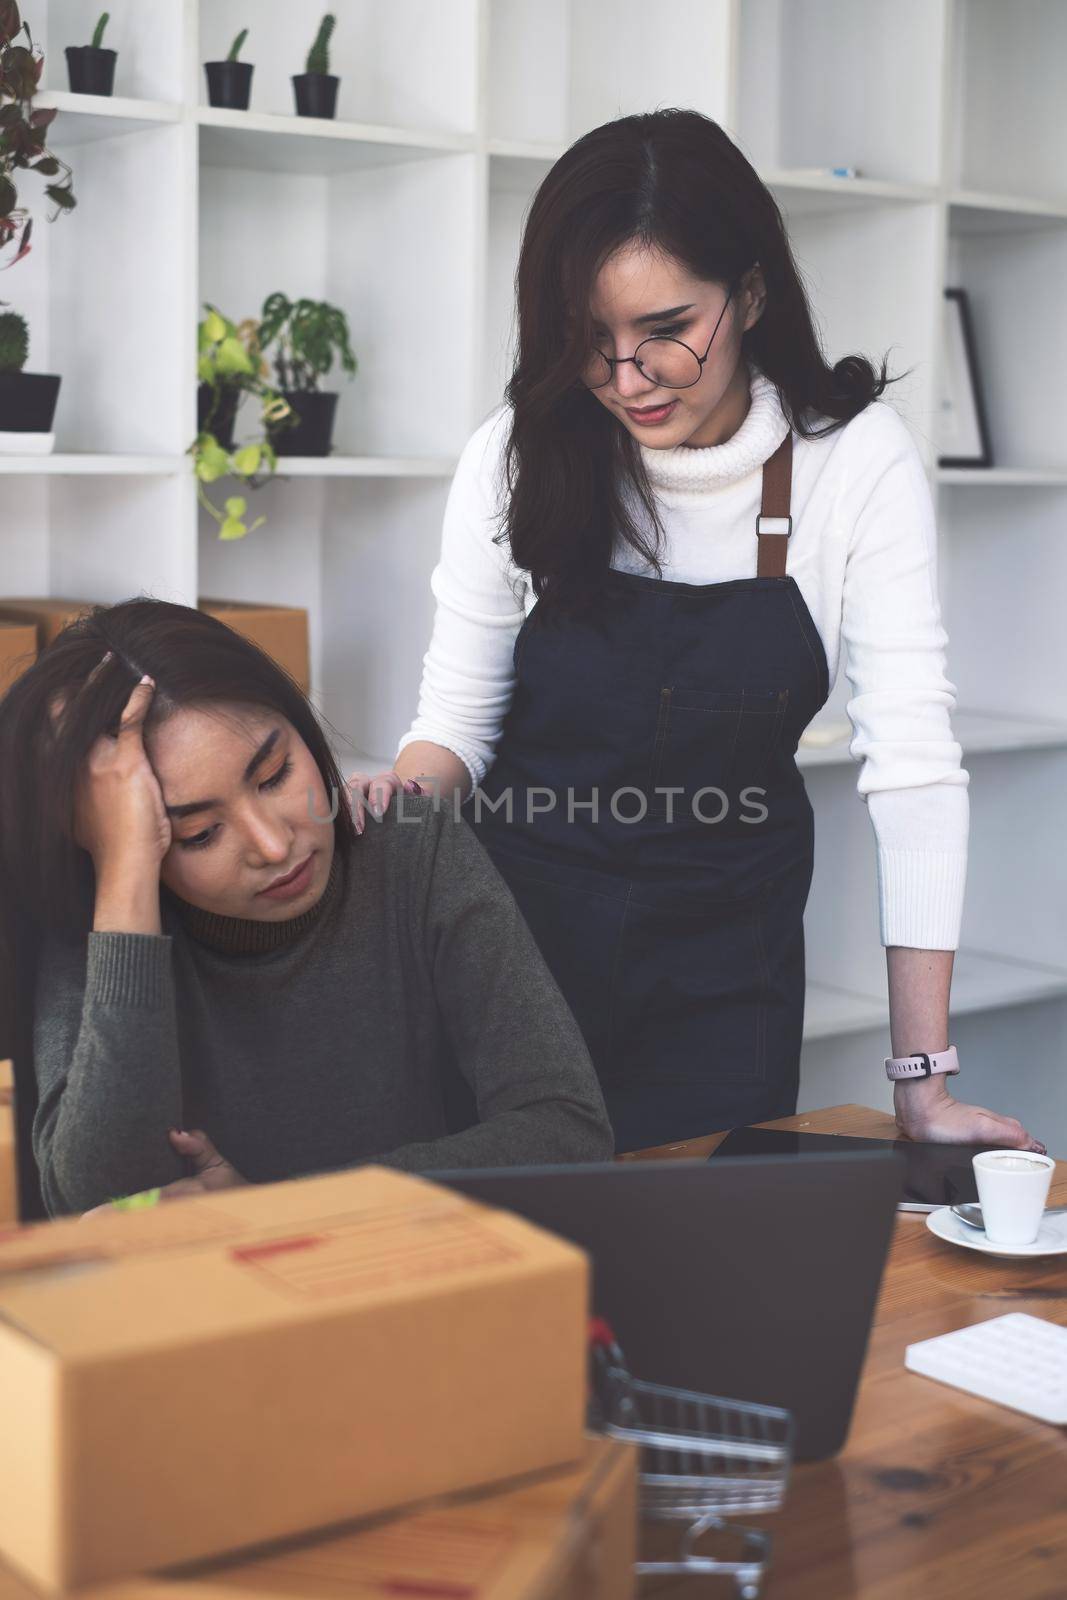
<point>963,430</point>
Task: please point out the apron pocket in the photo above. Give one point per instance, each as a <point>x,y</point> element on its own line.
<point>713,738</point>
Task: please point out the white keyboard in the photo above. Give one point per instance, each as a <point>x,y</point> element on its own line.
<point>1017,1360</point>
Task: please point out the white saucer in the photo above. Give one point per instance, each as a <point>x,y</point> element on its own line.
<point>1051,1236</point>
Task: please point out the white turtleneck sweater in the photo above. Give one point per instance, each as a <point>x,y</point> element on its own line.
<point>863,552</point>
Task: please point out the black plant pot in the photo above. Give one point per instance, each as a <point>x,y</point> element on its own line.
<point>313,434</point>
<point>229,83</point>
<point>316,94</point>
<point>28,401</point>
<point>221,421</point>
<point>91,71</point>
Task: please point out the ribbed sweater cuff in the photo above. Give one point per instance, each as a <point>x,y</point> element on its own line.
<point>128,969</point>
<point>473,763</point>
<point>921,898</point>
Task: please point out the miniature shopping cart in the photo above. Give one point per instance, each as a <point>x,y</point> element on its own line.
<point>702,1459</point>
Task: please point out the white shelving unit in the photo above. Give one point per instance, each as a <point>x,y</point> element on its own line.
<point>407,210</point>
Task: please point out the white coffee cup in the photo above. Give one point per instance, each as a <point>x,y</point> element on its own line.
<point>1013,1187</point>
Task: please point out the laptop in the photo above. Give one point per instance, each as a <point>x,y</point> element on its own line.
<point>753,1279</point>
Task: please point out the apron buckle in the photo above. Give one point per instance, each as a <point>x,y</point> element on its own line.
<point>774,525</point>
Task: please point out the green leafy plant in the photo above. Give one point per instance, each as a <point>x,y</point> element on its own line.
<point>14,341</point>
<point>22,134</point>
<point>229,356</point>
<point>98,31</point>
<point>225,350</point>
<point>319,55</point>
<point>310,335</point>
<point>236,46</point>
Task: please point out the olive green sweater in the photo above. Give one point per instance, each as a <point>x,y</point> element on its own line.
<point>319,1042</point>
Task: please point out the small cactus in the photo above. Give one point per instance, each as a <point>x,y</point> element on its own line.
<point>14,341</point>
<point>235,48</point>
<point>98,31</point>
<point>318,56</point>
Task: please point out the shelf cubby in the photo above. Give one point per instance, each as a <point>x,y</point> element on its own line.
<point>151,38</point>
<point>1008,132</point>
<point>557,68</point>
<point>408,66</point>
<point>1004,258</point>
<point>825,83</point>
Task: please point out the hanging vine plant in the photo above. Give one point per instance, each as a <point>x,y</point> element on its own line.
<point>230,362</point>
<point>23,132</point>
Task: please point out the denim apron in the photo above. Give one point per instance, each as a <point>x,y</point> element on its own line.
<point>660,841</point>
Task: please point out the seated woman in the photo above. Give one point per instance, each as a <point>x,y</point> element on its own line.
<point>219,950</point>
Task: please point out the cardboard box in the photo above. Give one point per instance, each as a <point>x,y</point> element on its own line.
<point>245,1365</point>
<point>48,614</point>
<point>18,649</point>
<point>282,631</point>
<point>9,1198</point>
<point>567,1535</point>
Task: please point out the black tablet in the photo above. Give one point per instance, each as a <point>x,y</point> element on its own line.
<point>935,1174</point>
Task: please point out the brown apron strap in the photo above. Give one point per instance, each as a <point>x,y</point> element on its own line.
<point>774,523</point>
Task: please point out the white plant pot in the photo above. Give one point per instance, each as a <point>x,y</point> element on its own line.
<point>27,444</point>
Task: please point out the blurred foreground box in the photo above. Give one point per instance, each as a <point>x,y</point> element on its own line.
<point>181,1382</point>
<point>566,1535</point>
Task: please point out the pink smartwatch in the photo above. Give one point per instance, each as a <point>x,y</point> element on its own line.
<point>920,1065</point>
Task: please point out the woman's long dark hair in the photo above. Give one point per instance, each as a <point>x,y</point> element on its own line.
<point>673,180</point>
<point>46,879</point>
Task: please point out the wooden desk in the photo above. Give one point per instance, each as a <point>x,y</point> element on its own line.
<point>936,1495</point>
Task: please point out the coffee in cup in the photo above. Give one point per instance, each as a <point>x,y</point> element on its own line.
<point>1013,1188</point>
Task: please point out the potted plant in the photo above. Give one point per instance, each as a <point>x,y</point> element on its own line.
<point>229,82</point>
<point>227,358</point>
<point>27,399</point>
<point>310,335</point>
<point>230,364</point>
<point>315,88</point>
<point>91,68</point>
<point>22,145</point>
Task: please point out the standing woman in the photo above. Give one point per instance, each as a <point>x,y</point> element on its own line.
<point>702,509</point>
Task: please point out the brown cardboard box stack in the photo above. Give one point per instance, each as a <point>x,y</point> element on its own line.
<point>260,1362</point>
<point>282,631</point>
<point>9,1205</point>
<point>49,615</point>
<point>18,649</point>
<point>569,1534</point>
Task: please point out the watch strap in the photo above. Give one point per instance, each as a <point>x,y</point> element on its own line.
<point>921,1065</point>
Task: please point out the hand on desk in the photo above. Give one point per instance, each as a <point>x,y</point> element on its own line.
<point>213,1171</point>
<point>926,1111</point>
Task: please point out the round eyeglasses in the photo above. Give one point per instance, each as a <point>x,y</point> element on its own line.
<point>666,362</point>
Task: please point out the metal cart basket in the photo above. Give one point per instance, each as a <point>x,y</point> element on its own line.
<point>702,1459</point>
